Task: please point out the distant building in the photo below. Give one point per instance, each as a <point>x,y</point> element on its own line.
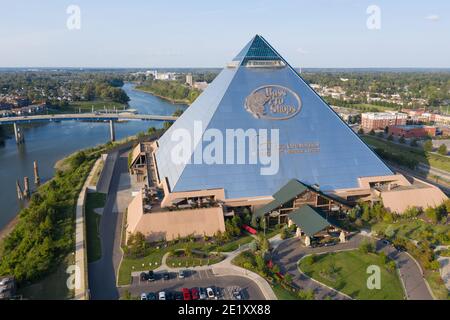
<point>413,131</point>
<point>189,79</point>
<point>381,120</point>
<point>200,85</point>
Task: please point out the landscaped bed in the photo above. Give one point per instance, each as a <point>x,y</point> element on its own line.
<point>181,258</point>
<point>347,272</point>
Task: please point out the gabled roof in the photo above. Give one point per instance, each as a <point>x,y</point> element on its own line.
<point>288,192</point>
<point>309,219</point>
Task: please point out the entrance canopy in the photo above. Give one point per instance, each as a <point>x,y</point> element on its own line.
<point>309,219</point>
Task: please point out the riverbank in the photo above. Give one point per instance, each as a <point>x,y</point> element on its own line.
<point>171,100</point>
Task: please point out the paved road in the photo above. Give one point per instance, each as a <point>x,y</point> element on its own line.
<point>201,278</point>
<point>102,273</point>
<point>290,251</point>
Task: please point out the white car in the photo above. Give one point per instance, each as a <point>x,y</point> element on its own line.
<point>210,293</point>
<point>143,296</point>
<point>162,295</point>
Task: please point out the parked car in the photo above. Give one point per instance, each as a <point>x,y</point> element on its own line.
<point>170,296</point>
<point>186,294</point>
<point>166,276</point>
<point>143,276</point>
<point>217,293</point>
<point>151,276</point>
<point>202,293</point>
<point>178,295</point>
<point>237,294</point>
<point>181,274</point>
<point>162,295</point>
<point>210,293</point>
<point>152,296</point>
<point>195,294</point>
<point>143,296</point>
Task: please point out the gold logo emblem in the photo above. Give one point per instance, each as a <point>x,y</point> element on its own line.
<point>273,102</point>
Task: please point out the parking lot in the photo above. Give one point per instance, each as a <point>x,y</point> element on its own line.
<point>197,278</point>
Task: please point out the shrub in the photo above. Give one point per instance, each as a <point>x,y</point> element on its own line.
<point>390,266</point>
<point>366,246</point>
<point>442,150</point>
<point>306,294</point>
<point>309,260</point>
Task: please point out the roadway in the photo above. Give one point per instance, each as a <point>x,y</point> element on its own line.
<point>102,273</point>
<point>86,117</point>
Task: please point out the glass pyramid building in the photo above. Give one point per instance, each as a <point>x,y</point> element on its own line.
<point>316,146</point>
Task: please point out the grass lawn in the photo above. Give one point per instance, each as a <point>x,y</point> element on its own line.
<point>155,256</point>
<point>94,248</point>
<point>431,159</point>
<point>437,285</point>
<point>97,173</point>
<point>283,294</point>
<point>52,287</point>
<point>233,245</point>
<point>417,230</point>
<point>86,106</point>
<point>179,259</point>
<point>346,271</point>
<point>368,106</point>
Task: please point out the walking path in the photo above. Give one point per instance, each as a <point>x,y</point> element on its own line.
<point>102,273</point>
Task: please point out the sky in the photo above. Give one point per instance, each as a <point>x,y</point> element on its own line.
<point>209,33</point>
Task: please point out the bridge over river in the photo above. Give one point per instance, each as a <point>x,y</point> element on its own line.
<point>110,117</point>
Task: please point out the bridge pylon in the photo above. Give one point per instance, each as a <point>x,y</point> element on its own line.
<point>112,131</point>
<point>18,134</point>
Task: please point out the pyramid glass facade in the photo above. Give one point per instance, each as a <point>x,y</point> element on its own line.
<point>316,146</point>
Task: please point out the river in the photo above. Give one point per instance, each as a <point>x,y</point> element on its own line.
<point>49,142</point>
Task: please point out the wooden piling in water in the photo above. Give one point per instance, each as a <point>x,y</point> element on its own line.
<point>19,191</point>
<point>37,179</point>
<point>26,187</point>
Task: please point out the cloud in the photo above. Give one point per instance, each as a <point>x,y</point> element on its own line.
<point>302,51</point>
<point>432,17</point>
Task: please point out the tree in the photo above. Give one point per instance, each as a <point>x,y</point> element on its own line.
<point>413,142</point>
<point>360,131</point>
<point>306,294</point>
<point>428,146</point>
<point>372,132</point>
<point>402,139</point>
<point>366,246</point>
<point>442,150</point>
<point>390,137</point>
<point>284,233</point>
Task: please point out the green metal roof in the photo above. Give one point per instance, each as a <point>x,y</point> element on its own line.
<point>288,192</point>
<point>309,219</point>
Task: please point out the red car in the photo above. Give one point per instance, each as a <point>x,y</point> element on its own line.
<point>195,294</point>
<point>186,294</point>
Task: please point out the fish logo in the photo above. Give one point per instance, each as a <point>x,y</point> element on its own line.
<point>273,102</point>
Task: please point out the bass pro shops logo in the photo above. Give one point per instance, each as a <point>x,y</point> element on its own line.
<point>273,102</point>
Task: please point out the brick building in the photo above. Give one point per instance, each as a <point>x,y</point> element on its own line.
<point>412,131</point>
<point>381,120</point>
